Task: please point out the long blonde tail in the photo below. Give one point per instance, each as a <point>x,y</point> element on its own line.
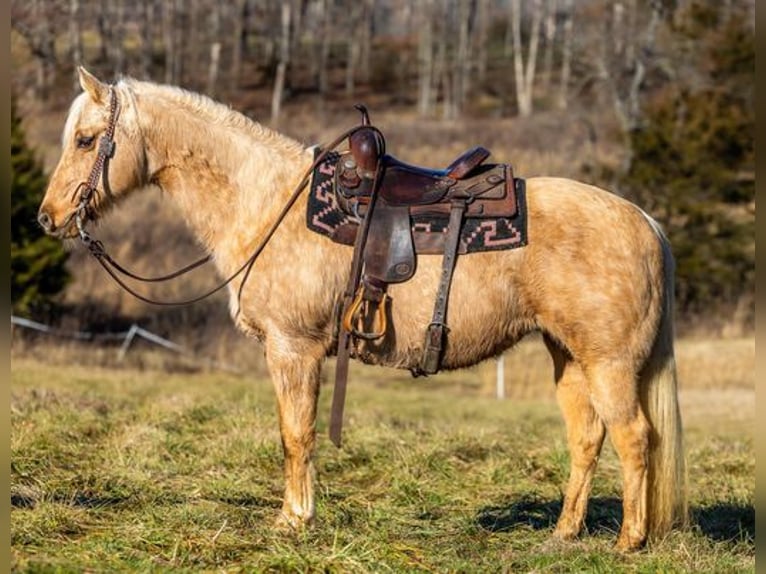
<point>667,486</point>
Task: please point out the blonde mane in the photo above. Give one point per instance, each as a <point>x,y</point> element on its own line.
<point>209,110</point>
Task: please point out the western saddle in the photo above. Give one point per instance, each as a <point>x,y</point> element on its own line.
<point>385,194</point>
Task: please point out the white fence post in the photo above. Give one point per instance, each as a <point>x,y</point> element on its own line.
<point>128,340</point>
<point>500,387</point>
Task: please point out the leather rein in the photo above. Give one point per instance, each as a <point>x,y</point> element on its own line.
<point>88,189</point>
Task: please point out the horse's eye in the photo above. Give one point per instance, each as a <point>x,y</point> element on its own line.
<point>85,142</point>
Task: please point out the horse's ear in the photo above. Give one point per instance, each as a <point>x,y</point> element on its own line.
<point>95,88</point>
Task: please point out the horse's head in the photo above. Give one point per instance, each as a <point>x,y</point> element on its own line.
<point>76,186</point>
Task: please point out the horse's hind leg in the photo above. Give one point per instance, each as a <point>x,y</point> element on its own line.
<point>295,372</point>
<point>585,436</point>
<point>614,392</point>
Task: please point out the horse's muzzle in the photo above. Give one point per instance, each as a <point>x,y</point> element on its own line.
<point>48,223</point>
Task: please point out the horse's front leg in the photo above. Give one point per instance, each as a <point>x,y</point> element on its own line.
<point>294,368</point>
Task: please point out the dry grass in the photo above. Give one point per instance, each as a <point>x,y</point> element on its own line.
<point>142,470</point>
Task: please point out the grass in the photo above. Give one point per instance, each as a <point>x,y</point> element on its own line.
<point>120,470</point>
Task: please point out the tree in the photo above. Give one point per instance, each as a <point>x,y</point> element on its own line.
<point>524,73</point>
<point>38,270</point>
<point>283,62</point>
<point>693,161</point>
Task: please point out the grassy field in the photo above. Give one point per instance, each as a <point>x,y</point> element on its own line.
<point>123,470</point>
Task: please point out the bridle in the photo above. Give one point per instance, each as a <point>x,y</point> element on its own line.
<point>100,170</point>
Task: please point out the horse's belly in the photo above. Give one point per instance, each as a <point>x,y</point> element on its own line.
<point>484,314</point>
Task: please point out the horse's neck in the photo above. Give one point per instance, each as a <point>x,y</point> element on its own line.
<point>229,178</point>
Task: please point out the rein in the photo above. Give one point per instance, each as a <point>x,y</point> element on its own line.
<point>96,248</point>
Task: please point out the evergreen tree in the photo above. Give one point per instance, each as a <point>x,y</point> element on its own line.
<point>38,271</point>
<point>694,161</point>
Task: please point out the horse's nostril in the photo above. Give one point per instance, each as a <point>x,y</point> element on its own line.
<point>45,221</point>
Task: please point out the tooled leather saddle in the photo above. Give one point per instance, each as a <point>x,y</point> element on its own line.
<point>387,210</point>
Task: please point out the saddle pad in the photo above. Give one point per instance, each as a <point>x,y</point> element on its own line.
<point>326,217</point>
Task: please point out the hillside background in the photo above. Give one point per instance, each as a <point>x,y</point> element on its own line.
<point>651,99</point>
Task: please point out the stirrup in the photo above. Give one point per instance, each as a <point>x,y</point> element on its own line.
<point>353,316</point>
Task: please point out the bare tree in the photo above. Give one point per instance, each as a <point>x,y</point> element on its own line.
<point>214,62</point>
<point>179,30</point>
<point>147,37</point>
<point>104,29</point>
<point>33,20</point>
<point>365,39</point>
<point>461,62</point>
<point>482,38</point>
<point>284,59</point>
<point>524,73</point>
<point>116,49</point>
<point>322,55</point>
<point>213,67</point>
<point>623,76</point>
<point>566,56</point>
<point>425,57</point>
<point>240,16</point>
<point>355,16</point>
<point>551,13</point>
<point>43,46</point>
<point>168,40</point>
<point>443,66</point>
<point>75,41</point>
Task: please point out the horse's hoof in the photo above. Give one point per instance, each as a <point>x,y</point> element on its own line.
<point>291,522</point>
<point>626,543</point>
<point>565,533</point>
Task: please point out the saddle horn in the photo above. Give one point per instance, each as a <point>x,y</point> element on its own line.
<point>367,144</point>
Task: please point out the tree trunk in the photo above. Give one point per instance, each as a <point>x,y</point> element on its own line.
<point>44,48</point>
<point>550,44</point>
<point>482,38</point>
<point>626,99</point>
<point>116,46</point>
<point>147,38</point>
<point>365,39</point>
<point>179,30</point>
<point>443,70</point>
<point>566,56</point>
<point>168,39</point>
<point>75,41</point>
<point>212,73</point>
<point>425,58</point>
<point>461,61</point>
<point>525,73</point>
<point>323,53</point>
<point>237,47</point>
<point>284,58</point>
<point>105,29</point>
<point>352,58</point>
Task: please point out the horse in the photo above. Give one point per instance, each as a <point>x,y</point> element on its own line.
<point>595,279</point>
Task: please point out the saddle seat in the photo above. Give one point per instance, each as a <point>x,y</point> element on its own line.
<point>406,184</point>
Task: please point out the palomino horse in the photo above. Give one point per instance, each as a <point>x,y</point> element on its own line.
<point>596,279</point>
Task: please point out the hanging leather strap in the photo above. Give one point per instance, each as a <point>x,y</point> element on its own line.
<point>344,337</point>
<point>436,331</point>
